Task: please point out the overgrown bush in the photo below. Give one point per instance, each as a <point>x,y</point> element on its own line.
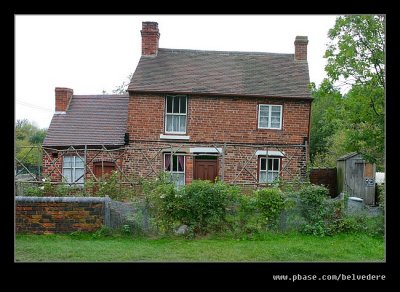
<point>321,215</point>
<point>112,187</point>
<point>202,206</point>
<point>270,204</point>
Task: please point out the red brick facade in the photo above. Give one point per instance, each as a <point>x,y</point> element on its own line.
<point>218,120</point>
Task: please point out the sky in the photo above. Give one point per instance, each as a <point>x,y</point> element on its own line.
<point>96,53</point>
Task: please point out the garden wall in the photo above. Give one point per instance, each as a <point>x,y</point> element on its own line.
<point>61,214</point>
<point>326,177</point>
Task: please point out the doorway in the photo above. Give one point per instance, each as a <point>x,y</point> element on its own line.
<point>205,168</point>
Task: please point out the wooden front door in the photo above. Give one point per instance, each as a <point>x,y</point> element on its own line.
<point>205,168</point>
<point>103,169</point>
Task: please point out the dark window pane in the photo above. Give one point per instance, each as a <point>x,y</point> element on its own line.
<point>263,164</point>
<point>183,104</point>
<point>175,163</point>
<point>169,104</point>
<point>176,105</point>
<point>276,164</point>
<point>269,164</point>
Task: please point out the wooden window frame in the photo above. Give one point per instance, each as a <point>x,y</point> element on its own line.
<point>269,116</point>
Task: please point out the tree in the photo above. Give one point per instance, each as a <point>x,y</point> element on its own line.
<point>327,109</point>
<point>28,134</point>
<point>121,89</point>
<point>355,57</point>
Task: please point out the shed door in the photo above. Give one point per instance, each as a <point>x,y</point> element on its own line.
<point>206,168</point>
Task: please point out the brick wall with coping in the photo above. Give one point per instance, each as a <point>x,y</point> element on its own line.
<point>45,215</point>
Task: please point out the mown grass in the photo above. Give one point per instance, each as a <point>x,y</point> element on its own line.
<point>266,248</point>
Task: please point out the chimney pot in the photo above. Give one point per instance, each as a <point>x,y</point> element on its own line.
<point>300,48</point>
<point>150,38</point>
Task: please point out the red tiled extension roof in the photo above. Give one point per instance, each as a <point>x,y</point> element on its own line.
<point>90,120</point>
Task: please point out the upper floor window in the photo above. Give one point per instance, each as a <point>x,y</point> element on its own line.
<point>269,116</point>
<point>73,169</point>
<point>175,114</point>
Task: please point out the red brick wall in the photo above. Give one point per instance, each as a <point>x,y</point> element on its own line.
<point>150,38</point>
<point>41,215</point>
<point>222,119</point>
<point>326,177</point>
<point>300,50</point>
<point>52,167</point>
<point>63,97</point>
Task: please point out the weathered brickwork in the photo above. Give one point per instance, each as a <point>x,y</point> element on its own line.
<point>52,166</point>
<point>220,119</point>
<point>58,215</point>
<point>210,120</point>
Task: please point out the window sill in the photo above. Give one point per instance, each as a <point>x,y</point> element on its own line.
<point>174,137</point>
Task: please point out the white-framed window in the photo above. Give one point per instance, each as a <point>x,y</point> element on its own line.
<point>269,116</point>
<point>73,169</point>
<point>175,114</point>
<point>269,169</point>
<point>176,167</point>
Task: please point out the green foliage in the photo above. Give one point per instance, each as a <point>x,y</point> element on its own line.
<point>325,118</point>
<point>33,191</point>
<point>27,135</point>
<point>355,57</point>
<point>356,50</point>
<point>112,187</point>
<point>380,189</point>
<point>270,203</point>
<point>320,214</point>
<point>202,205</point>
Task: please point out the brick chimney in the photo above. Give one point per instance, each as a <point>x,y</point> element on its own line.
<point>300,48</point>
<point>63,98</point>
<point>150,37</point>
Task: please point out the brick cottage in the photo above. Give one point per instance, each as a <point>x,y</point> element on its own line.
<point>242,117</point>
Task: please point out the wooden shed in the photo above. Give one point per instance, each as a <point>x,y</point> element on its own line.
<point>356,177</point>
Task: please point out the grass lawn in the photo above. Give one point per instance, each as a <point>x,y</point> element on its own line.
<point>268,248</point>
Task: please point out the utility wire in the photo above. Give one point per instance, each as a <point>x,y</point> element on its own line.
<point>30,105</point>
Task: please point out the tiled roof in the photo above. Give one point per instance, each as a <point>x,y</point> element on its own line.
<point>90,120</point>
<point>215,72</point>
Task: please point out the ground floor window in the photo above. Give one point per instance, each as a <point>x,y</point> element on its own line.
<point>269,169</point>
<point>176,167</point>
<point>73,169</point>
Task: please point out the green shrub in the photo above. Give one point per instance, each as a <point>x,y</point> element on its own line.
<point>34,191</point>
<point>321,215</point>
<point>202,206</point>
<point>270,203</point>
<point>380,189</point>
